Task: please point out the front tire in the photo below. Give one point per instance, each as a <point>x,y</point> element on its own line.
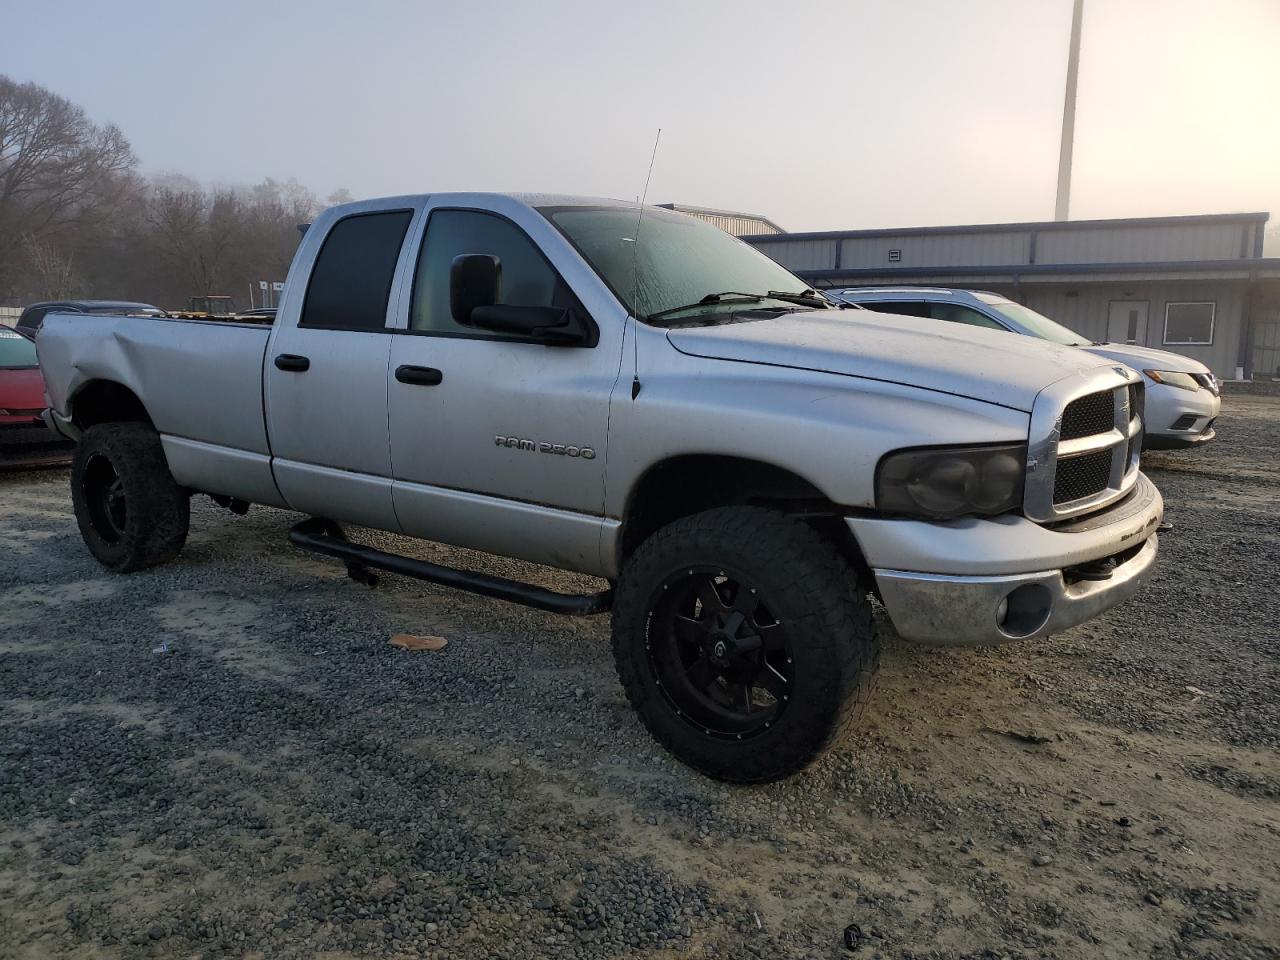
<point>744,641</point>
<point>131,512</point>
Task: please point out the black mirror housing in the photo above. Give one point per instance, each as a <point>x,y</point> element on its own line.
<point>549,324</point>
<point>473,282</point>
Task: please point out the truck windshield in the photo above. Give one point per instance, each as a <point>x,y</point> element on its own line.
<point>680,261</point>
<point>16,351</point>
<point>1036,324</point>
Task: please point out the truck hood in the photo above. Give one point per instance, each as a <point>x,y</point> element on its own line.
<point>987,365</point>
<point>1145,358</point>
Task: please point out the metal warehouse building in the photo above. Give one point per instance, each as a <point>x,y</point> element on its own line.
<point>1197,285</point>
<point>730,221</point>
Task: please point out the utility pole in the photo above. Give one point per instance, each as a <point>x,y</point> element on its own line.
<point>1069,116</point>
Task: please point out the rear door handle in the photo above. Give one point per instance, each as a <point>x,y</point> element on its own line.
<point>419,376</point>
<point>291,361</point>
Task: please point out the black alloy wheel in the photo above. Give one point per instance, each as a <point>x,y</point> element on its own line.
<point>721,659</point>
<point>105,498</point>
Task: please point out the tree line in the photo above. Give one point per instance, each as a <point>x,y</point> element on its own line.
<point>78,219</point>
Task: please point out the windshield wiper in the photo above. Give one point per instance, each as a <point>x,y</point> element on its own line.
<point>728,296</point>
<point>805,297</point>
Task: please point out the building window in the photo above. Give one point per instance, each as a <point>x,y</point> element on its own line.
<point>1189,323</point>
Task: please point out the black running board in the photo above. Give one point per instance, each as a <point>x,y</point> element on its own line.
<point>322,536</point>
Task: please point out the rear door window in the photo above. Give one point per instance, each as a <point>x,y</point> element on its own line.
<point>351,281</point>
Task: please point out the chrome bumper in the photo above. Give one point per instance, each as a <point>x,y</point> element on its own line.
<point>966,611</point>
<point>974,582</point>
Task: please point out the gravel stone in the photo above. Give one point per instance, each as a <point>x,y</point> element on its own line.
<point>284,784</point>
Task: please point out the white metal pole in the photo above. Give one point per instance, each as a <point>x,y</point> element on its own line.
<point>1063,205</point>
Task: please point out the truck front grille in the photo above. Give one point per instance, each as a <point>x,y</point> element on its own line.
<point>1089,415</point>
<point>1084,445</point>
<point>1082,476</point>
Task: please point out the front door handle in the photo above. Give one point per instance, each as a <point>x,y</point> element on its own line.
<point>419,376</point>
<point>291,361</point>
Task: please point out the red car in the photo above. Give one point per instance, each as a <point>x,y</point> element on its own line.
<point>24,439</point>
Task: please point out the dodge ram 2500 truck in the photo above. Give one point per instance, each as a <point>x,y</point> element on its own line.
<point>636,395</point>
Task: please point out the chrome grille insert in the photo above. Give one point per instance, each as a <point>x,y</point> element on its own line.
<point>1085,444</point>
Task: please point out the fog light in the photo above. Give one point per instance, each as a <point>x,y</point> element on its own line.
<point>1024,610</point>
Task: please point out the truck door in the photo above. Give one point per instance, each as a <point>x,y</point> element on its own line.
<point>326,375</point>
<point>498,441</point>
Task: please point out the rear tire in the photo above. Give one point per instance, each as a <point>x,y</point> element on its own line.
<point>745,642</point>
<point>131,512</point>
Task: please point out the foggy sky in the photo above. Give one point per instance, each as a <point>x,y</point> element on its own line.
<point>822,115</point>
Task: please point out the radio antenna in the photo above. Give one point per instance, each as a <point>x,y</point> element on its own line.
<point>635,274</point>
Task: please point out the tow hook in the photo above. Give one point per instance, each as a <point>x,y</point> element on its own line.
<point>1096,569</point>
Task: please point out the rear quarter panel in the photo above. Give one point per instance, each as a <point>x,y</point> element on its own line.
<point>198,380</point>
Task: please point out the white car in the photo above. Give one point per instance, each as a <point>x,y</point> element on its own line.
<point>1182,395</point>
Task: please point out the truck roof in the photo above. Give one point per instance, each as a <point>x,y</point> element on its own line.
<point>529,199</point>
<point>95,305</point>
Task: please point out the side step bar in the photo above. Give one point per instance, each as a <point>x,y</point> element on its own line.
<point>324,536</point>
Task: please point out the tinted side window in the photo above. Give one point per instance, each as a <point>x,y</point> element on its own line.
<point>351,280</point>
<point>953,313</point>
<point>904,308</point>
<point>32,319</point>
<point>525,277</point>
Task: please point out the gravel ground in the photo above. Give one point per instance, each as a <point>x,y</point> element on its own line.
<point>225,758</point>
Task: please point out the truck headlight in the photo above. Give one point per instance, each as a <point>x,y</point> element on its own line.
<point>1170,378</point>
<point>939,483</point>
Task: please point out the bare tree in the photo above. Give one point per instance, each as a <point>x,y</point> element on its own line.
<point>77,219</point>
<point>56,167</point>
<point>51,271</point>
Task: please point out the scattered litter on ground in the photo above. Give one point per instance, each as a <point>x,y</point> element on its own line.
<point>163,648</point>
<point>852,937</point>
<point>413,641</point>
<point>1032,738</point>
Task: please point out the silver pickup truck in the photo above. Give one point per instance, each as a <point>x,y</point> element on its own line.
<point>636,395</point>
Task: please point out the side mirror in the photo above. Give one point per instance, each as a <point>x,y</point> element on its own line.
<point>552,325</point>
<point>473,282</point>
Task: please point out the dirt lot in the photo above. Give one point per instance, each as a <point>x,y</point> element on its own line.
<point>224,757</point>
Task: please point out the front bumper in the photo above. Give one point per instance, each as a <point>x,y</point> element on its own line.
<point>1179,441</point>
<point>1177,418</point>
<point>29,443</point>
<point>980,582</point>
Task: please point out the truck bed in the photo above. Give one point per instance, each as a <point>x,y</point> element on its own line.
<point>200,379</point>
